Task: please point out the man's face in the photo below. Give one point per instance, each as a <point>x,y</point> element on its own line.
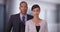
<point>23,8</point>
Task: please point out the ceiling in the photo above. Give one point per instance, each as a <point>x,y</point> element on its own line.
<point>47,1</point>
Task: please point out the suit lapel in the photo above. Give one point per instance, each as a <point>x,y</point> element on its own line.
<point>19,17</point>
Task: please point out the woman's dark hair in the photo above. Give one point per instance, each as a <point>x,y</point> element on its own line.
<point>35,6</point>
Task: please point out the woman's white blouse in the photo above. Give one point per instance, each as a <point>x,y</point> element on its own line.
<point>30,26</point>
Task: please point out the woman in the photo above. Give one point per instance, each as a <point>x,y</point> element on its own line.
<point>36,24</point>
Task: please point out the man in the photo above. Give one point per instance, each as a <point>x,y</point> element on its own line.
<point>18,21</point>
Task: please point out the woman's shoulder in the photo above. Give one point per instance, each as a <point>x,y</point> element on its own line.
<point>43,20</point>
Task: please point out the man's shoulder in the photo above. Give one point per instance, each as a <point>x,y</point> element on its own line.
<point>15,15</point>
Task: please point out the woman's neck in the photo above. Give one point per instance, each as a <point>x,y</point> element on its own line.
<point>37,18</point>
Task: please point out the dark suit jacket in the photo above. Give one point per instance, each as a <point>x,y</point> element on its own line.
<point>16,23</point>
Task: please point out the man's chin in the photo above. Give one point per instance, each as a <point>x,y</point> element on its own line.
<point>23,13</point>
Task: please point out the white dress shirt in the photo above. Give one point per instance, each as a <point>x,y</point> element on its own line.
<point>30,26</point>
<point>24,16</point>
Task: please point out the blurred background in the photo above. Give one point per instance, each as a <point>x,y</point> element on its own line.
<point>50,11</point>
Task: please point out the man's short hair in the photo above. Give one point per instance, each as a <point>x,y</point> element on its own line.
<point>23,2</point>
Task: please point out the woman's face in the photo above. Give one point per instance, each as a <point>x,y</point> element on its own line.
<point>36,12</point>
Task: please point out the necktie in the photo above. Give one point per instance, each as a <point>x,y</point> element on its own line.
<point>23,19</point>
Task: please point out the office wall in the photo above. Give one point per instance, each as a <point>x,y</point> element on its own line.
<point>1,17</point>
<point>58,17</point>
